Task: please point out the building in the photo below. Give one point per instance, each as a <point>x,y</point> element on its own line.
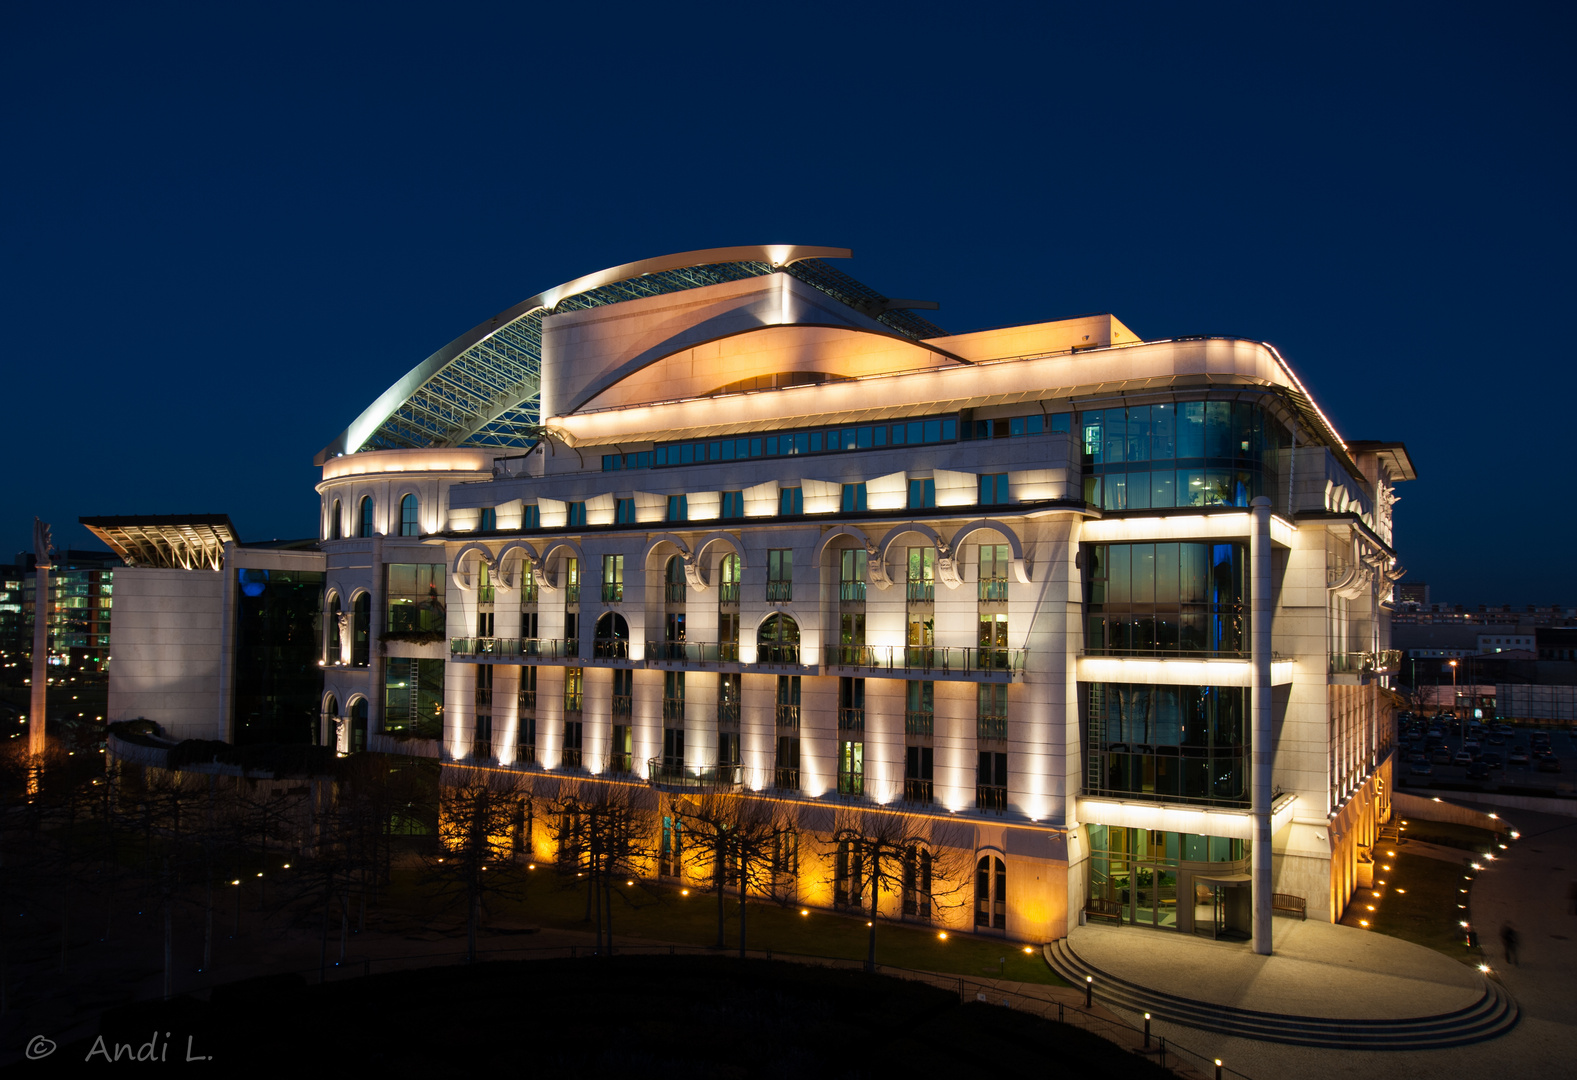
<point>1109,617</point>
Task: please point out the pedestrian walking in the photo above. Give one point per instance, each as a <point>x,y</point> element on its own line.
<point>1509,939</point>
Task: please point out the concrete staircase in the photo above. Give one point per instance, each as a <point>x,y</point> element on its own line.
<point>1492,1015</point>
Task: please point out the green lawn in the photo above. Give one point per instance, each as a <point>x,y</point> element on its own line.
<point>1450,834</point>
<point>664,913</point>
<point>1421,900</point>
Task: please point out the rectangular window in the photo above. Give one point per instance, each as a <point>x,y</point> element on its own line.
<point>612,462</point>
<point>786,773</point>
<point>533,517</point>
<point>991,724</point>
<point>577,515</point>
<point>733,505</point>
<point>918,770</point>
<point>994,563</point>
<point>571,582</point>
<point>574,681</point>
<point>624,512</point>
<point>780,574</point>
<point>482,737</point>
<point>489,519</point>
<point>414,597</point>
<point>729,693</point>
<point>853,498</point>
<point>678,508</point>
<point>993,489</point>
<point>851,582</point>
<point>991,782</point>
<point>788,703</point>
<point>791,502</point>
<point>851,705</point>
<point>922,494</point>
<point>919,707</point>
<point>570,757</point>
<point>622,758</point>
<point>994,642</point>
<point>851,768</point>
<point>612,579</point>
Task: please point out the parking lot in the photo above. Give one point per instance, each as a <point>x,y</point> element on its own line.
<point>1442,752</point>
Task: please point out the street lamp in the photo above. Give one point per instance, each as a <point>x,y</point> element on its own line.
<point>1455,701</point>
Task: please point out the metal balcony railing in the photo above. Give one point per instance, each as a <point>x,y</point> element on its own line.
<point>693,652</point>
<point>728,714</point>
<point>851,591</point>
<point>673,592</point>
<point>481,749</point>
<point>527,701</point>
<point>572,593</point>
<point>569,757</point>
<point>777,654</point>
<point>787,717</point>
<point>484,595</point>
<point>673,708</point>
<point>919,723</point>
<point>785,779</point>
<point>670,773</point>
<point>623,705</point>
<point>780,592</point>
<point>621,763</point>
<point>1384,662</point>
<point>991,727</point>
<point>948,659</point>
<point>526,754</point>
<point>612,592</point>
<point>484,695</point>
<point>993,798</point>
<point>573,701</point>
<point>851,784</point>
<point>921,592</point>
<point>994,589</point>
<point>728,592</point>
<point>528,591</point>
<point>610,649</point>
<point>850,719</point>
<point>917,791</point>
<point>527,648</point>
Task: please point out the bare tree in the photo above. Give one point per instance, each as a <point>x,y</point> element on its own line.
<point>873,852</point>
<point>475,857</point>
<point>605,836</point>
<point>735,840</point>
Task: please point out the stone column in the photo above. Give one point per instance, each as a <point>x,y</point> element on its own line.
<point>1260,693</point>
<point>37,719</point>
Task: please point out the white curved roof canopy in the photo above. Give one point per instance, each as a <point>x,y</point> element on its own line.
<point>482,389</point>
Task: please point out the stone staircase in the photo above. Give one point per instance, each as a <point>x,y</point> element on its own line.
<point>1491,1015</point>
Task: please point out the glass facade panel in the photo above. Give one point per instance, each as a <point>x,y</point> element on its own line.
<point>1171,743</point>
<point>1157,599</point>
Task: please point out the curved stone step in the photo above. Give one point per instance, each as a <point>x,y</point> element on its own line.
<point>1491,1015</point>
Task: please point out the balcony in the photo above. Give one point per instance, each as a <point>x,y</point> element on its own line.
<point>484,595</point>
<point>992,798</point>
<point>573,699</point>
<point>484,695</point>
<point>671,774</point>
<point>673,592</point>
<point>921,592</point>
<point>851,720</point>
<point>613,592</point>
<point>918,792</point>
<point>728,592</point>
<point>1384,662</point>
<point>527,702</point>
<point>919,723</point>
<point>787,717</point>
<point>481,749</point>
<point>621,763</point>
<point>851,592</point>
<point>526,754</point>
<point>929,659</point>
<point>572,593</point>
<point>991,728</point>
<point>777,654</point>
<point>728,714</point>
<point>785,779</point>
<point>780,592</point>
<point>673,709</point>
<point>516,648</point>
<point>994,589</point>
<point>610,649</point>
<point>569,757</point>
<point>693,652</point>
<point>623,705</point>
<point>851,784</point>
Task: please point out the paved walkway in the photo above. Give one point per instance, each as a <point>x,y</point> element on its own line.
<point>1527,886</point>
<point>1318,970</point>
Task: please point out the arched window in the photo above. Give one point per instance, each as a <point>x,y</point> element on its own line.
<point>364,528</point>
<point>917,882</point>
<point>336,522</point>
<point>358,726</point>
<point>777,642</point>
<point>336,639</point>
<point>991,889</point>
<point>673,580</point>
<point>409,525</point>
<point>361,630</point>
<point>330,715</point>
<point>728,580</point>
<point>612,640</point>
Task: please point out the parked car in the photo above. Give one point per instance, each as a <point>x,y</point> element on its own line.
<point>1441,756</point>
<point>1550,764</point>
<point>1462,758</point>
<point>1518,756</point>
<point>1497,739</point>
<point>1478,771</point>
<point>1493,760</point>
<point>1420,768</point>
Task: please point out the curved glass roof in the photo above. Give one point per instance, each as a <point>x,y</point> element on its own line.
<point>482,389</point>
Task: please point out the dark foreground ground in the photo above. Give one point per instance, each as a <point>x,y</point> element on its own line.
<point>653,1017</point>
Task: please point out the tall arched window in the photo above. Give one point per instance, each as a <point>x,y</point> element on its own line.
<point>991,889</point>
<point>361,630</point>
<point>336,522</point>
<point>728,580</point>
<point>612,640</point>
<point>336,640</point>
<point>358,726</point>
<point>409,525</point>
<point>673,580</point>
<point>330,715</point>
<point>777,642</point>
<point>365,526</point>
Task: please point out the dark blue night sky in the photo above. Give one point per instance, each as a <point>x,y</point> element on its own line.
<point>228,227</point>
